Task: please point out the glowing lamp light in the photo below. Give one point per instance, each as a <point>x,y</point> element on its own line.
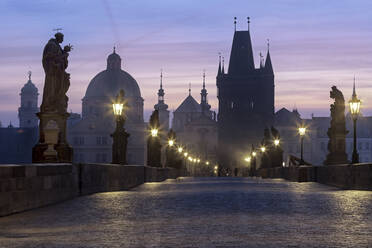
<point>207,163</point>
<point>190,159</point>
<point>180,149</point>
<point>198,160</point>
<point>254,154</point>
<point>170,142</point>
<point>302,131</point>
<point>263,149</point>
<point>216,167</point>
<point>185,154</point>
<point>118,108</point>
<point>248,159</point>
<point>354,105</point>
<point>276,142</point>
<point>154,132</point>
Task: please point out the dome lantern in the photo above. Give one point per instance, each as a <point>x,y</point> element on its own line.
<point>113,61</point>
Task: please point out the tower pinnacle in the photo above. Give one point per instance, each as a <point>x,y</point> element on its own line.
<point>235,23</point>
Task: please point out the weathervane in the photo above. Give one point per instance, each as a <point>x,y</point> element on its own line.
<point>29,75</point>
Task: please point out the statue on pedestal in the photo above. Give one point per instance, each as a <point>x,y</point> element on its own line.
<point>337,131</point>
<point>54,104</point>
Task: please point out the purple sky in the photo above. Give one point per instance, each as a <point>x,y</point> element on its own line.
<point>314,45</point>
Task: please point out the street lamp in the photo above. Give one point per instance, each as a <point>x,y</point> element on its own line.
<point>170,143</point>
<point>185,154</point>
<point>263,149</point>
<point>207,163</point>
<point>154,132</point>
<point>180,149</point>
<point>276,142</point>
<point>120,136</point>
<point>354,105</point>
<point>254,154</point>
<point>302,132</point>
<point>248,159</point>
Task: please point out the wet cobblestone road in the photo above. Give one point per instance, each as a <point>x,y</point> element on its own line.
<point>200,212</point>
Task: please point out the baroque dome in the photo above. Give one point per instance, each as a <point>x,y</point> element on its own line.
<point>109,82</point>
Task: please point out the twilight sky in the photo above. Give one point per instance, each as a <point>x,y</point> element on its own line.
<point>314,44</point>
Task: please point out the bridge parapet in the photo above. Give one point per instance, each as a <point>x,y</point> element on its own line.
<point>346,176</point>
<point>29,186</point>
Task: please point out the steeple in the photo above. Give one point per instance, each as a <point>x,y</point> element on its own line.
<point>219,65</point>
<point>28,109</point>
<point>189,89</point>
<point>204,101</point>
<point>223,65</point>
<point>161,91</point>
<point>161,105</point>
<point>241,58</point>
<point>268,65</point>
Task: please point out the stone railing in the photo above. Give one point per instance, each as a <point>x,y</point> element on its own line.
<point>24,187</point>
<point>357,176</point>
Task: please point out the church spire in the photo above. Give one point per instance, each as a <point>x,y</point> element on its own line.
<point>161,91</point>
<point>204,101</point>
<point>219,64</point>
<point>189,89</point>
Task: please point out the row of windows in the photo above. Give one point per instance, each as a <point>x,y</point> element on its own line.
<point>100,140</point>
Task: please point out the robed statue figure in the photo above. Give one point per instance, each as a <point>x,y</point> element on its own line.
<point>52,145</point>
<point>57,81</point>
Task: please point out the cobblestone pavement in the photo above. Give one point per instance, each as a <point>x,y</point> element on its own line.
<point>200,212</point>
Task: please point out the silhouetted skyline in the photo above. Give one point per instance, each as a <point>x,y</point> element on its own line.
<point>313,44</point>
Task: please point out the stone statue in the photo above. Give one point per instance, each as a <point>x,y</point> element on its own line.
<point>337,130</point>
<point>57,81</point>
<point>54,104</point>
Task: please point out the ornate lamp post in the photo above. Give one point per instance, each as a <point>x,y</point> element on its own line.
<point>276,142</point>
<point>302,132</point>
<point>120,136</point>
<point>153,141</point>
<point>354,105</point>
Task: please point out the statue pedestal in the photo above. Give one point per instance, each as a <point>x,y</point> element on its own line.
<point>64,151</point>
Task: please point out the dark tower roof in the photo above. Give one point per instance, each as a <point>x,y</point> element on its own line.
<point>241,58</point>
<point>268,65</point>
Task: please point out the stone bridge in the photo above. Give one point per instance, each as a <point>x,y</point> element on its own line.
<point>178,212</point>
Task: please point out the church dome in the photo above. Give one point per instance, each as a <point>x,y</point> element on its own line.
<point>109,82</point>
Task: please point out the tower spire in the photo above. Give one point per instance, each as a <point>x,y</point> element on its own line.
<point>161,78</point>
<point>204,79</point>
<point>161,91</point>
<point>114,49</point>
<point>248,21</point>
<point>223,65</point>
<point>219,64</point>
<point>29,75</point>
<point>189,89</point>
<point>235,24</point>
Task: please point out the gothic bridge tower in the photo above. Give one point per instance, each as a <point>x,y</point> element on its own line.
<point>246,101</point>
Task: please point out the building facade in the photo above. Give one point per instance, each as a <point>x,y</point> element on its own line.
<point>196,126</point>
<point>90,137</point>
